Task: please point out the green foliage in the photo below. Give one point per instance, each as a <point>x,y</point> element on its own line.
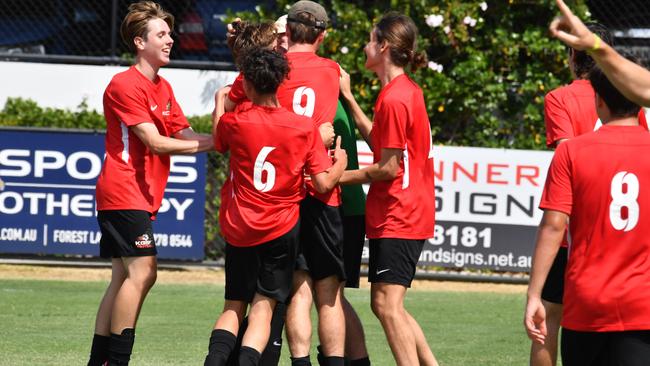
<point>496,56</point>
<point>25,112</point>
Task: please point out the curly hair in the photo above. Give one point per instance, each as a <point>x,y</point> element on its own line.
<point>264,69</point>
<point>249,36</point>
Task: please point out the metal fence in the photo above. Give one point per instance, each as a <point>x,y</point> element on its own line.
<point>87,31</point>
<point>629,21</point>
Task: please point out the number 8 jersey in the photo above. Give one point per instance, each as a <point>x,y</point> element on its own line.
<point>602,181</point>
<point>271,149</point>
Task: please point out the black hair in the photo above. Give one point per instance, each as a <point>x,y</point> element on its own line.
<point>619,106</point>
<point>264,69</point>
<point>582,62</point>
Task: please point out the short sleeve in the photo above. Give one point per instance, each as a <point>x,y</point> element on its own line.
<point>390,120</point>
<point>223,131</point>
<point>237,94</point>
<point>178,121</point>
<point>557,120</point>
<point>558,190</point>
<point>317,160</point>
<point>128,103</point>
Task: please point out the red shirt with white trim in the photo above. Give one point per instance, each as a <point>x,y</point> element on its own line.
<point>601,180</point>
<point>271,150</point>
<point>404,207</point>
<point>132,177</point>
<point>312,90</point>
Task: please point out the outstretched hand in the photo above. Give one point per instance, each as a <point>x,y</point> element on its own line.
<point>569,29</point>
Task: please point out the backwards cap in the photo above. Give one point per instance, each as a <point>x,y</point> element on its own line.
<point>306,6</point>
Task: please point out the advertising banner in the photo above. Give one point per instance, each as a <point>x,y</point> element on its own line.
<point>47,197</point>
<point>486,206</point>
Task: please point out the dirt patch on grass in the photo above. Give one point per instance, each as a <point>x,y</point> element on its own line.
<point>206,275</point>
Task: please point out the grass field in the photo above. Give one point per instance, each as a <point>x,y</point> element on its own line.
<point>50,322</point>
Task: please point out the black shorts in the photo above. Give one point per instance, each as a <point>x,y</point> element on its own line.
<point>394,260</point>
<point>125,233</point>
<point>266,269</point>
<point>553,290</point>
<point>321,239</point>
<point>630,348</point>
<point>354,236</point>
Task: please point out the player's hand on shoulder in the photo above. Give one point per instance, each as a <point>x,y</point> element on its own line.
<point>327,133</point>
<point>344,84</point>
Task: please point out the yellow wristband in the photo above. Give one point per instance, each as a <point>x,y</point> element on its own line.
<point>596,45</point>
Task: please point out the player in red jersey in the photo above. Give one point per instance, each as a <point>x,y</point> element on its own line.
<point>270,151</point>
<point>596,182</point>
<point>400,208</point>
<point>631,79</point>
<point>569,111</point>
<point>312,90</point>
<point>142,116</point>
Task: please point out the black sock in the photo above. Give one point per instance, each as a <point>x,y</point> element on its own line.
<point>120,347</point>
<point>99,350</point>
<point>248,356</point>
<point>271,354</point>
<point>360,362</point>
<point>332,361</point>
<point>320,357</point>
<point>300,361</point>
<point>222,342</point>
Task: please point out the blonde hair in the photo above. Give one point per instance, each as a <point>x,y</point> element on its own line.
<point>139,15</point>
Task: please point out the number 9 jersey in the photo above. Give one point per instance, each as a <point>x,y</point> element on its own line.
<point>602,181</point>
<point>271,150</point>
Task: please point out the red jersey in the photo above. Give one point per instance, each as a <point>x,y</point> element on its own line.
<point>312,90</point>
<point>132,177</point>
<point>570,111</point>
<point>237,94</point>
<point>270,151</point>
<point>598,179</point>
<point>404,207</point>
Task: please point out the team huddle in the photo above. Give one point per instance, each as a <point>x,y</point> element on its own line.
<point>294,216</point>
<point>293,213</point>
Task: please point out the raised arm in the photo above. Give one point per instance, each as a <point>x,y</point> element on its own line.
<point>549,237</point>
<point>161,145</point>
<point>632,80</point>
<point>363,123</point>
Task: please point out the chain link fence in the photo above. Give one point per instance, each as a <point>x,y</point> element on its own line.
<point>87,31</point>
<point>629,21</point>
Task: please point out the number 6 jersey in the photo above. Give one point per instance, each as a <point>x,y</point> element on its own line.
<point>602,181</point>
<point>271,149</point>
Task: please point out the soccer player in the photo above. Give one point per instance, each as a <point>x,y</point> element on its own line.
<point>270,151</point>
<point>569,111</point>
<point>631,79</point>
<point>400,205</point>
<point>142,116</point>
<point>312,90</point>
<point>596,182</point>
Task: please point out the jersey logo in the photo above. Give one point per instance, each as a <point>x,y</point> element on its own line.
<point>143,241</point>
<point>153,107</point>
<point>382,271</point>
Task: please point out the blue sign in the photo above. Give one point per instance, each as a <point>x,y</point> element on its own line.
<point>47,197</point>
